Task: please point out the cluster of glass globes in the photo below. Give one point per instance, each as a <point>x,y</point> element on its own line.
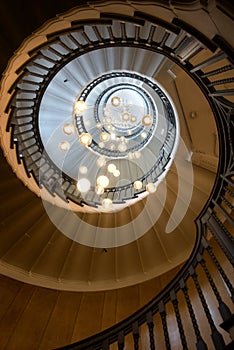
<point>107,135</point>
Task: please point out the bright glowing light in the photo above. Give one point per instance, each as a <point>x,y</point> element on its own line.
<point>133,119</point>
<point>99,125</point>
<point>147,120</point>
<point>80,106</point>
<point>64,146</point>
<point>122,147</point>
<point>99,190</point>
<point>137,154</point>
<point>101,162</point>
<point>104,136</point>
<point>108,120</point>
<point>103,181</point>
<point>111,167</point>
<point>151,187</point>
<point>115,101</point>
<point>83,169</point>
<point>137,185</point>
<point>143,134</point>
<point>68,129</point>
<point>83,185</point>
<point>106,203</point>
<point>116,173</point>
<point>85,139</point>
<point>126,116</point>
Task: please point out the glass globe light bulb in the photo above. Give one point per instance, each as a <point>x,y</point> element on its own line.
<point>111,167</point>
<point>80,106</point>
<point>68,129</point>
<point>64,146</point>
<point>151,187</point>
<point>122,147</point>
<point>101,162</point>
<point>99,125</point>
<point>126,116</point>
<point>103,181</point>
<point>83,185</point>
<point>137,154</point>
<point>99,189</point>
<point>85,139</point>
<point>147,120</point>
<point>116,173</point>
<point>104,136</point>
<point>83,169</point>
<point>137,185</point>
<point>115,101</point>
<point>106,203</point>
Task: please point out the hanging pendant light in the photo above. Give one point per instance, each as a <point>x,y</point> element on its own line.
<point>85,139</point>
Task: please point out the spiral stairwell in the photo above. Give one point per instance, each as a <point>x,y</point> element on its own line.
<point>173,270</point>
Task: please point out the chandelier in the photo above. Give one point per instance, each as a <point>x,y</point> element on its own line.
<point>123,129</point>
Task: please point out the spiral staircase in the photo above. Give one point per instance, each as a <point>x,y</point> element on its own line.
<point>169,255</point>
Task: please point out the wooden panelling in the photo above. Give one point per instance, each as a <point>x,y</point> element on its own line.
<point>33,321</point>
<point>109,309</point>
<point>8,292</point>
<point>9,321</point>
<point>63,318</point>
<point>89,319</point>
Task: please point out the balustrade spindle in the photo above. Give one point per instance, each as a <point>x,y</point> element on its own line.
<point>229,191</point>
<point>222,93</point>
<point>65,46</point>
<point>97,33</point>
<point>74,41</point>
<point>34,74</point>
<point>162,312</point>
<point>85,36</point>
<point>223,308</point>
<point>217,71</point>
<point>136,336</point>
<point>151,34</point>
<point>55,52</point>
<point>23,149</point>
<point>105,345</point>
<point>39,65</point>
<point>228,204</point>
<point>219,268</point>
<point>178,319</point>
<point>213,59</point>
<point>226,215</point>
<point>219,234</point>
<point>121,341</point>
<point>215,335</point>
<point>34,83</point>
<point>150,324</point>
<point>200,344</point>
<point>221,81</point>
